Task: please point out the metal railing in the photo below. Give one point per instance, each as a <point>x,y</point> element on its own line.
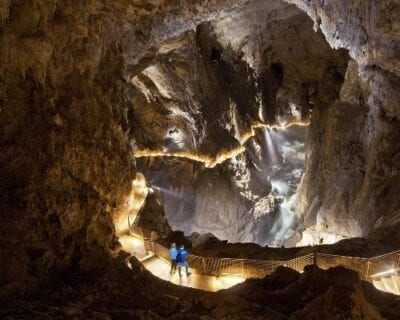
<point>384,263</point>
<point>300,263</point>
<point>367,268</point>
<point>360,265</point>
<point>133,221</point>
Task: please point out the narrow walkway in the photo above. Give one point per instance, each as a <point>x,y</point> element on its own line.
<point>383,271</point>
<point>161,268</point>
<point>134,245</point>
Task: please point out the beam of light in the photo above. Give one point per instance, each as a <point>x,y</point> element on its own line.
<point>385,273</point>
<point>270,146</point>
<point>220,157</point>
<point>168,192</point>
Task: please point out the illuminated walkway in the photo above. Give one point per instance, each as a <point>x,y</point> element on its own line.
<point>221,273</point>
<point>134,245</point>
<point>161,268</point>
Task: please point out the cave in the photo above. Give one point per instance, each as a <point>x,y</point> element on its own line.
<point>262,135</point>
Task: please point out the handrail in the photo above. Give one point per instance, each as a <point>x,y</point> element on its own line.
<point>368,268</point>
<point>386,254</point>
<point>337,255</point>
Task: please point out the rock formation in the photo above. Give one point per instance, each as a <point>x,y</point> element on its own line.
<point>273,71</point>
<point>355,161</point>
<point>335,294</point>
<point>87,87</point>
<point>152,216</point>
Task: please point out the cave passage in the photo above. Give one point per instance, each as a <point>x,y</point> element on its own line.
<point>264,179</point>
<point>221,120</point>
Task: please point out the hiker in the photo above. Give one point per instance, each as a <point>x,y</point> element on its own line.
<point>181,259</point>
<point>172,254</point>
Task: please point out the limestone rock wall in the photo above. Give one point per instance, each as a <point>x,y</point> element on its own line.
<point>272,68</point>
<point>63,136</point>
<point>66,164</point>
<point>152,216</point>
<point>361,194</point>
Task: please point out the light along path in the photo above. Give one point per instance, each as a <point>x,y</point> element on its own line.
<point>160,268</point>
<point>134,245</point>
<point>221,156</point>
<point>388,280</point>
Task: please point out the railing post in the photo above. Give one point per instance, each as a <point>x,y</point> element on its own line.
<point>398,260</point>
<point>204,265</point>
<point>315,258</point>
<point>242,268</point>
<point>368,267</point>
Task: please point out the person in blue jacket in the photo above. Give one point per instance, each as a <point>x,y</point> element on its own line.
<point>181,259</point>
<point>173,252</point>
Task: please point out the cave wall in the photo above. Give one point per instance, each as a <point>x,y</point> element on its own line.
<point>360,143</point>
<point>352,179</point>
<point>66,164</point>
<point>262,64</point>
<point>63,133</point>
<point>365,128</point>
<point>177,95</point>
<point>224,200</point>
<point>335,168</point>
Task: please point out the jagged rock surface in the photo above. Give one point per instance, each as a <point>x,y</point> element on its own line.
<point>152,216</point>
<point>354,158</point>
<point>335,294</point>
<point>66,126</point>
<point>69,125</point>
<point>274,70</point>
